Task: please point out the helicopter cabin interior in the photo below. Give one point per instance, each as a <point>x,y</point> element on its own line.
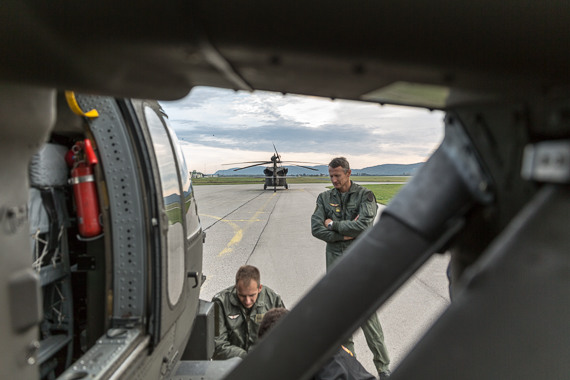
<point>95,229</point>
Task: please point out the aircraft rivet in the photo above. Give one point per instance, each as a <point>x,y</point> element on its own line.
<point>31,352</point>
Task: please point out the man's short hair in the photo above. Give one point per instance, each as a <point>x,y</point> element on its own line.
<point>246,273</point>
<point>270,319</point>
<point>340,161</point>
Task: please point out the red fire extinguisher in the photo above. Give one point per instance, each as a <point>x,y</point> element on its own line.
<point>84,190</point>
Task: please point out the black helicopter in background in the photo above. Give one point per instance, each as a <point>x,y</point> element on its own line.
<point>275,175</point>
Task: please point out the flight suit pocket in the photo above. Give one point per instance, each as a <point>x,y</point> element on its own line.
<point>334,211</point>
<point>235,328</point>
<point>235,322</point>
<point>259,318</point>
<point>352,212</point>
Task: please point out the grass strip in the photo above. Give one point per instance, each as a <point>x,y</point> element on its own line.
<point>384,192</point>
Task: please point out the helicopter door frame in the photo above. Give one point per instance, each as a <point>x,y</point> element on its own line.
<point>177,211</point>
<point>126,235</point>
<point>127,228</point>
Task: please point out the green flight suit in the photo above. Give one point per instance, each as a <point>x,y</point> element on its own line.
<point>352,213</point>
<point>236,327</point>
<point>342,208</point>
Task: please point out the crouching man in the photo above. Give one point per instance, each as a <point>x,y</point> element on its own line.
<point>239,311</point>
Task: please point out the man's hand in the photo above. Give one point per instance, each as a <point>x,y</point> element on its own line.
<point>326,223</point>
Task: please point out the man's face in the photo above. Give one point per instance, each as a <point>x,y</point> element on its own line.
<point>340,179</point>
<point>247,293</point>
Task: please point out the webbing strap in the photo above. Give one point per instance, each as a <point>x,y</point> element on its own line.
<point>74,106</point>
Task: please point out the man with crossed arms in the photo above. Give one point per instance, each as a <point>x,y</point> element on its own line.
<point>341,215</point>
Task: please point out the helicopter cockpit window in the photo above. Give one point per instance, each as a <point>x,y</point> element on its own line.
<point>172,206</point>
<point>192,222</point>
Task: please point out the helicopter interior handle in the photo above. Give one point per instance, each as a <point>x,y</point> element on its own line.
<point>419,221</point>
<point>199,278</point>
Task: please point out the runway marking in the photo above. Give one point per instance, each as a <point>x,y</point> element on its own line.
<point>258,212</point>
<point>236,239</point>
<point>238,232</point>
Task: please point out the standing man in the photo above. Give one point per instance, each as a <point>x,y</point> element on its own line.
<point>341,215</point>
<point>239,311</point>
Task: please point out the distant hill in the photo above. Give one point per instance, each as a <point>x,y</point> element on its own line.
<point>389,169</point>
<point>385,169</point>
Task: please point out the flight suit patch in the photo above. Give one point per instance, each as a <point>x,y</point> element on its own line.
<point>233,316</point>
<point>259,317</point>
<point>334,204</point>
<point>370,196</point>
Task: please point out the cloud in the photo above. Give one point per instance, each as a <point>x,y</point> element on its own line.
<point>218,125</point>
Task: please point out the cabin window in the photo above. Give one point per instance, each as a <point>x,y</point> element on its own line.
<point>192,221</point>
<point>166,160</point>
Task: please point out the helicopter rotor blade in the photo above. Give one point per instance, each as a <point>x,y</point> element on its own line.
<point>250,166</point>
<point>245,162</point>
<point>304,162</point>
<point>306,167</point>
<point>275,162</point>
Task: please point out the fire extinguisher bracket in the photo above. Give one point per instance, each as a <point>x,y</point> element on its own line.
<point>82,179</point>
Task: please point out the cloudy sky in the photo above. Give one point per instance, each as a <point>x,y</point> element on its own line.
<point>219,126</point>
